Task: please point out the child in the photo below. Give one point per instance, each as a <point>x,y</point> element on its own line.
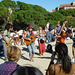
<point>13,55</point>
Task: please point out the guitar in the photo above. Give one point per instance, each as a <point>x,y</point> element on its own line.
<point>28,42</point>
<point>62,33</point>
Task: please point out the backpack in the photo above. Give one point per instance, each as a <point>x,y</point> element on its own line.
<point>50,27</point>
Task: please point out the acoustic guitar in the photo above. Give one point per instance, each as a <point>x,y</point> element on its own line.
<point>28,42</point>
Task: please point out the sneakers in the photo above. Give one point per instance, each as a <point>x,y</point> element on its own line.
<point>73,60</point>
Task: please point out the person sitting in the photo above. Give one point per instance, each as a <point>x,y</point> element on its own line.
<point>13,55</point>
<point>27,71</point>
<point>64,65</point>
<point>1,44</point>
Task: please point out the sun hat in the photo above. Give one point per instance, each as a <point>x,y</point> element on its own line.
<point>30,26</point>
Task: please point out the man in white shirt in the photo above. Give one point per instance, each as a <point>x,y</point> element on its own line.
<point>47,25</point>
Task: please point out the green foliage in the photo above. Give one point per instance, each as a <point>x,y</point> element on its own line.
<point>68,12</point>
<point>9,3</point>
<point>71,21</point>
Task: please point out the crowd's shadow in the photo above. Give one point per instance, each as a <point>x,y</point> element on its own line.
<point>46,58</point>
<point>24,57</point>
<point>36,53</point>
<point>2,57</point>
<point>25,49</point>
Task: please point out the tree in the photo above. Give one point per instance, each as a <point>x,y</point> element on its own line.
<point>25,14</point>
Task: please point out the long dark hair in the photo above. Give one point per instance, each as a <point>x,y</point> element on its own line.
<point>27,71</point>
<point>62,51</point>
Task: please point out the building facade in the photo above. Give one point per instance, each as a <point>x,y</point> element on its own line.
<point>66,6</point>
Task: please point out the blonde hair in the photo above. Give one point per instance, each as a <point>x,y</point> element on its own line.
<point>58,22</point>
<point>13,53</point>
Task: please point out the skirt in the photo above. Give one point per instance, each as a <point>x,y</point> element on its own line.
<point>41,47</point>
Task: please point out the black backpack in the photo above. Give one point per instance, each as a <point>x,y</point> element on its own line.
<point>50,27</point>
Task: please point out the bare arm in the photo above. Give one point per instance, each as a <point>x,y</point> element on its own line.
<point>5,39</point>
<point>37,33</point>
<point>25,37</point>
<point>55,30</point>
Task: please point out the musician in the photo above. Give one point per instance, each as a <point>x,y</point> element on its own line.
<point>31,47</point>
<point>60,33</point>
<point>41,41</point>
<point>6,38</point>
<point>58,28</point>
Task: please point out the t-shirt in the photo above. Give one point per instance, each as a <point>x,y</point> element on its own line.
<point>16,36</point>
<point>58,29</point>
<point>47,25</point>
<point>20,32</point>
<point>8,67</point>
<point>7,35</point>
<point>0,36</point>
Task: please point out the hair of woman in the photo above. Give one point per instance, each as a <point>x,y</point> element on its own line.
<point>62,51</point>
<point>27,71</point>
<point>13,53</point>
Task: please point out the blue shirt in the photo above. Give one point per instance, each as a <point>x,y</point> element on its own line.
<point>0,36</point>
<point>58,29</point>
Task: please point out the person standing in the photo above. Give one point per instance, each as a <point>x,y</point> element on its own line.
<point>6,38</point>
<point>47,26</point>
<point>41,41</point>
<point>50,35</point>
<point>31,47</point>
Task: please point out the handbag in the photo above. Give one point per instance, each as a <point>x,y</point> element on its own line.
<point>41,41</point>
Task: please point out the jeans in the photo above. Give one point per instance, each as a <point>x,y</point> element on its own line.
<point>5,50</point>
<point>1,48</point>
<point>49,36</point>
<point>31,49</point>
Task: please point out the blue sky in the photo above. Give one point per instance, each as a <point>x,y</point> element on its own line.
<point>47,4</point>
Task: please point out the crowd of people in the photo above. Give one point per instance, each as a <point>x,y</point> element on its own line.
<point>9,40</point>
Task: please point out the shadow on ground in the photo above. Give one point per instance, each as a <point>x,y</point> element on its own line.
<point>24,57</point>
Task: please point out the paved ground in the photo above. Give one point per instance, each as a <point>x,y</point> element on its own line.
<point>40,62</point>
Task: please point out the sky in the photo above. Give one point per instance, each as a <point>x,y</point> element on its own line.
<point>47,4</point>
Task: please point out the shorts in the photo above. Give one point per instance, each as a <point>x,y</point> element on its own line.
<point>20,37</point>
